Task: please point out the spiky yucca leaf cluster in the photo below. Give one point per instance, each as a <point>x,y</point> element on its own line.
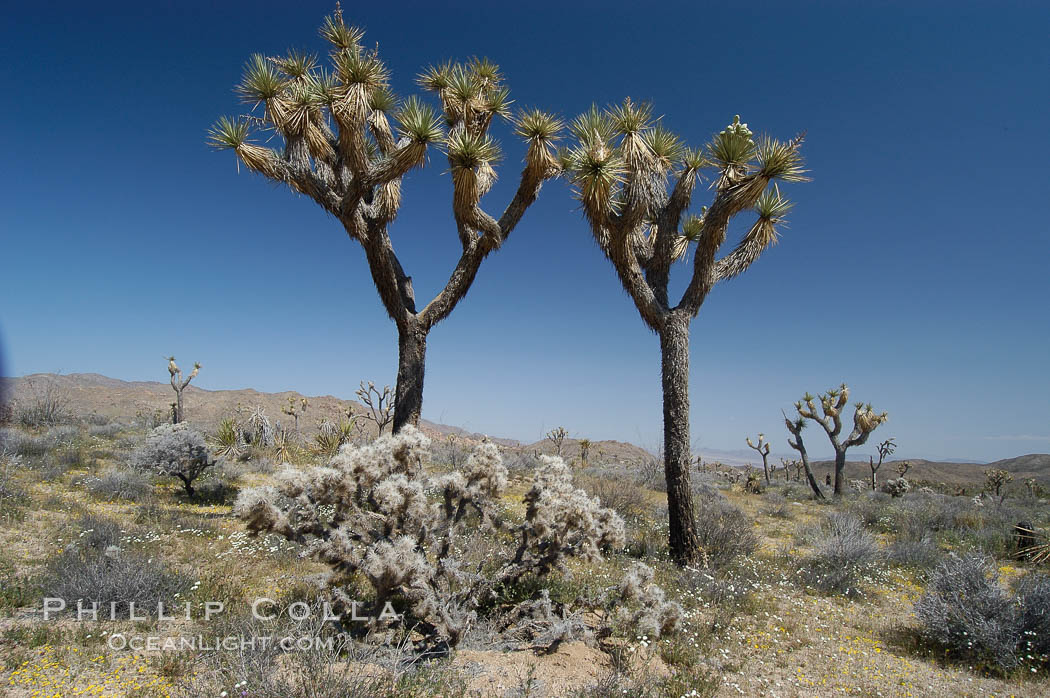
<point>330,118</point>
<point>374,510</point>
<point>623,158</point>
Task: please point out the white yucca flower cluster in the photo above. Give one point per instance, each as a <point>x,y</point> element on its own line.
<point>374,510</point>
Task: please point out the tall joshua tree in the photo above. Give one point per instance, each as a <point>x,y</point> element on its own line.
<point>635,181</point>
<point>178,384</point>
<point>763,450</point>
<point>832,403</point>
<point>341,150</point>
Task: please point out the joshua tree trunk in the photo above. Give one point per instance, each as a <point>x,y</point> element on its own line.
<point>674,351</point>
<point>411,360</point>
<point>840,468</point>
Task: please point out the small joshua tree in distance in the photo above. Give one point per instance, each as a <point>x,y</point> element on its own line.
<point>585,448</point>
<point>380,404</point>
<point>341,150</point>
<point>763,449</point>
<point>996,480</point>
<point>178,385</point>
<point>557,437</point>
<point>886,448</point>
<point>832,402</point>
<point>902,468</point>
<point>295,411</point>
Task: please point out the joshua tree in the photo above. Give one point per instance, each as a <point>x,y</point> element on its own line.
<point>795,427</point>
<point>832,402</point>
<point>585,448</point>
<point>995,480</point>
<point>557,437</point>
<point>178,385</point>
<point>902,468</point>
<point>340,151</point>
<point>380,409</point>
<point>763,450</point>
<point>635,180</point>
<point>295,411</point>
<point>885,448</point>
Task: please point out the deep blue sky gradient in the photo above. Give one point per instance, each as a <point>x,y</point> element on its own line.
<point>914,266</point>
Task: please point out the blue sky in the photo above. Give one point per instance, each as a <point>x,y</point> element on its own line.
<point>914,267</point>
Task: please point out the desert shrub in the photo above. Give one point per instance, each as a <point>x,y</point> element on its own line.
<point>174,450</point>
<point>217,488</point>
<point>796,491</point>
<point>120,484</point>
<point>42,405</point>
<point>966,611</point>
<point>94,569</point>
<point>106,431</point>
<point>94,419</point>
<point>522,463</point>
<point>922,554</point>
<point>13,497</point>
<point>20,443</point>
<point>1033,596</point>
<point>724,531</point>
<point>368,512</point>
<point>647,538</point>
<point>776,506</point>
<point>619,494</point>
<point>843,554</point>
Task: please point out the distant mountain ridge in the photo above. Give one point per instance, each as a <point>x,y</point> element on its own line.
<point>112,397</point>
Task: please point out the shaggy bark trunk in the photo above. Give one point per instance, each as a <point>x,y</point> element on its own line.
<point>674,351</point>
<point>765,467</point>
<point>178,406</point>
<point>840,468</point>
<point>411,359</point>
<point>874,477</point>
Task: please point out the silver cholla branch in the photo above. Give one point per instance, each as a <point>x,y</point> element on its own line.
<point>374,510</point>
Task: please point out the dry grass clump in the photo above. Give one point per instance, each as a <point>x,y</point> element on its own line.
<point>725,532</point>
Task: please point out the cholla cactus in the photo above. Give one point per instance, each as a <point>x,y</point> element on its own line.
<point>832,402</point>
<point>368,511</point>
<point>763,450</point>
<point>896,487</point>
<point>642,605</point>
<point>178,385</point>
<point>176,450</point>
